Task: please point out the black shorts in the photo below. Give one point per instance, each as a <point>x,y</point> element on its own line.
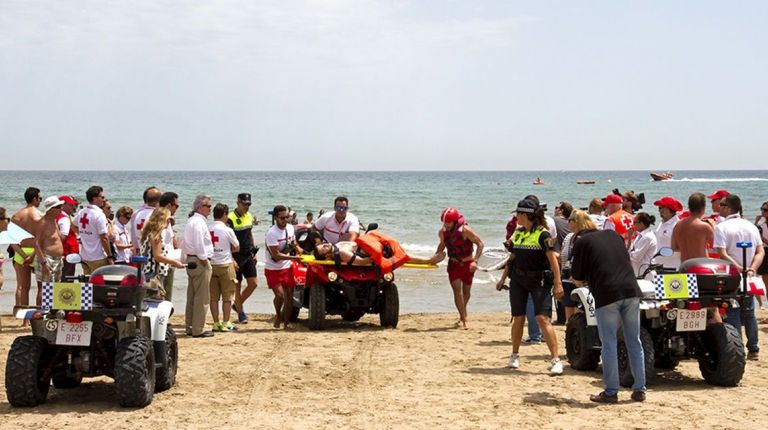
<point>763,269</point>
<point>521,287</point>
<point>246,266</point>
<point>568,287</point>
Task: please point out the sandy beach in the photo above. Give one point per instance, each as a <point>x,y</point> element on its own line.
<point>424,374</point>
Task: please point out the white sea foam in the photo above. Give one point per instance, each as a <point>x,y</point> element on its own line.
<point>718,180</point>
<point>419,249</point>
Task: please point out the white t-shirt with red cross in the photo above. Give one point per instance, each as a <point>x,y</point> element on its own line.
<point>137,222</point>
<point>280,238</point>
<point>92,223</point>
<point>223,239</point>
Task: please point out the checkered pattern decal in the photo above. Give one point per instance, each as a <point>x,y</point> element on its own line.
<point>693,286</point>
<point>47,295</point>
<point>86,295</point>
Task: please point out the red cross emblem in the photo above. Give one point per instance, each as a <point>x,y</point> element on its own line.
<point>626,220</point>
<point>214,238</point>
<point>140,225</point>
<point>84,221</point>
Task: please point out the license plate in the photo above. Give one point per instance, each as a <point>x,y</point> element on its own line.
<point>691,320</point>
<point>74,334</point>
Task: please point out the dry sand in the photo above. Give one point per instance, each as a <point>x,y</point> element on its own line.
<point>425,374</point>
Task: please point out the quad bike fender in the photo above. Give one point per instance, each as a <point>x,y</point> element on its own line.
<point>26,314</point>
<point>583,296</point>
<point>159,314</point>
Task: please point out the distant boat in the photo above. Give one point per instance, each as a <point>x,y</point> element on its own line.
<point>662,176</point>
<point>586,182</point>
<point>538,181</point>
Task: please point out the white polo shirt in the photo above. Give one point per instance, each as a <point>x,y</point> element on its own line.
<point>123,234</point>
<point>92,223</point>
<point>642,251</point>
<point>735,229</point>
<point>280,238</point>
<point>333,230</point>
<point>197,238</point>
<point>664,239</point>
<point>223,239</point>
<point>138,219</point>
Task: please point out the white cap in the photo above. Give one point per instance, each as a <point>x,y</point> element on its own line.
<point>52,202</point>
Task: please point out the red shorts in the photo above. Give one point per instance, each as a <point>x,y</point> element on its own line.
<point>460,272</point>
<point>282,277</point>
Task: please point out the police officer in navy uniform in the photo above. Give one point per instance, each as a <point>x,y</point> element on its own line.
<point>533,270</point>
<point>242,222</point>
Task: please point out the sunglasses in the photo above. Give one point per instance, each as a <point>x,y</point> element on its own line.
<point>284,217</point>
<point>206,206</point>
<point>341,208</point>
<point>5,219</point>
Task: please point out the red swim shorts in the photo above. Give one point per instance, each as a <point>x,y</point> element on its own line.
<point>282,277</point>
<point>460,272</point>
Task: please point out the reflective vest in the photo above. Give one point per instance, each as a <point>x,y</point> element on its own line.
<point>385,251</point>
<point>242,226</point>
<point>522,239</point>
<point>623,223</point>
<point>456,245</point>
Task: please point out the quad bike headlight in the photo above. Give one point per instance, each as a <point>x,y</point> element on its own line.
<point>333,276</point>
<point>389,277</point>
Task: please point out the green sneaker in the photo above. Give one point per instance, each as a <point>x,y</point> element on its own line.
<point>228,326</point>
<point>217,326</point>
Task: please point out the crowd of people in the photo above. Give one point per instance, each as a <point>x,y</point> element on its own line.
<point>608,245</point>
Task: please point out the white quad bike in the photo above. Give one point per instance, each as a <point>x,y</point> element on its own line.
<point>671,329</point>
<point>105,324</point>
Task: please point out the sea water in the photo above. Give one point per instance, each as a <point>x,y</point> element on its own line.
<point>406,205</point>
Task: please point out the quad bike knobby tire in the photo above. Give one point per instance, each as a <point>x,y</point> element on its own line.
<point>390,310</point>
<point>26,383</point>
<point>167,353</point>
<point>580,355</point>
<point>316,318</point>
<point>725,360</point>
<point>135,371</point>
<point>625,372</point>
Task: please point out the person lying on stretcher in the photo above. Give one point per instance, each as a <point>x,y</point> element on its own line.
<point>348,253</point>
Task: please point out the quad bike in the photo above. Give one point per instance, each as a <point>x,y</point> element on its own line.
<point>105,324</point>
<point>672,329</point>
<point>340,289</point>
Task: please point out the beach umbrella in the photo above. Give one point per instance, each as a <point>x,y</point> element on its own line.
<point>14,235</point>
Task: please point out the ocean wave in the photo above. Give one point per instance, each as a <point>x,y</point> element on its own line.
<point>718,180</point>
<point>419,249</point>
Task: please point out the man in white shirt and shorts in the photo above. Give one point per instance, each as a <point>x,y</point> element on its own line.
<point>223,276</point>
<point>281,241</point>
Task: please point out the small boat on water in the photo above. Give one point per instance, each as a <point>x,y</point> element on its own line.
<point>538,181</point>
<point>586,182</point>
<point>662,176</point>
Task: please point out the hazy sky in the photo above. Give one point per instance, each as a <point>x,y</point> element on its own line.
<point>383,85</point>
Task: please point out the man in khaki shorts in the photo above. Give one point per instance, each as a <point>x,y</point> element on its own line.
<point>224,276</point>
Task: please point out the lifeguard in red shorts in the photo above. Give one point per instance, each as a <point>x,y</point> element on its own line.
<point>459,240</point>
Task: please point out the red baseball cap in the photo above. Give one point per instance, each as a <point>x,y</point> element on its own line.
<point>612,198</point>
<point>68,200</point>
<point>669,203</point>
<point>719,194</point>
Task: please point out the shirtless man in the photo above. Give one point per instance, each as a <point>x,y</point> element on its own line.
<point>691,234</point>
<point>49,249</point>
<point>23,260</point>
<point>348,255</point>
